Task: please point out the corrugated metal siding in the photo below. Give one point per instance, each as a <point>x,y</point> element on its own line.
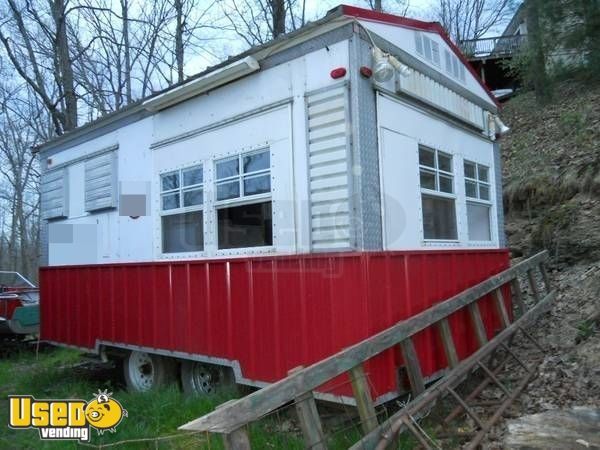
<point>328,137</point>
<point>54,192</point>
<point>100,182</point>
<point>268,313</point>
<point>430,91</point>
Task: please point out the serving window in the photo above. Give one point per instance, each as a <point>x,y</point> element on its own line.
<point>243,200</point>
<point>182,215</point>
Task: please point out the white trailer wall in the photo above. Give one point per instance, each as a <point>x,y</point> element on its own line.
<point>266,109</point>
<point>402,128</point>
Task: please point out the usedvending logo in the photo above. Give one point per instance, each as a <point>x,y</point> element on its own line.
<point>66,419</point>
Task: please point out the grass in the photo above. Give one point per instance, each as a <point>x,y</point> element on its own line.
<point>58,374</point>
<point>150,415</point>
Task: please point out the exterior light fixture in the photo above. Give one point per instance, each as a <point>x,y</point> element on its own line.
<point>501,128</point>
<point>386,65</point>
<point>402,69</point>
<point>497,128</point>
<point>382,69</point>
<point>211,80</point>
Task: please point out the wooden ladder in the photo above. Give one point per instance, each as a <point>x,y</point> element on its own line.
<point>230,419</point>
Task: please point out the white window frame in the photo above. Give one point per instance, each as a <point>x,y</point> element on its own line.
<point>478,200</point>
<point>242,199</point>
<point>436,192</point>
<point>478,182</point>
<point>182,209</point>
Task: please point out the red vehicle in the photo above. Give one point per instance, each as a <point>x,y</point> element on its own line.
<point>19,305</point>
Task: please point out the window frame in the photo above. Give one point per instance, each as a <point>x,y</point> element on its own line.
<point>181,209</point>
<point>478,200</point>
<point>242,199</point>
<point>436,192</point>
<point>477,182</point>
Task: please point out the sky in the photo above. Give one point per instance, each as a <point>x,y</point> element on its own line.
<point>315,9</point>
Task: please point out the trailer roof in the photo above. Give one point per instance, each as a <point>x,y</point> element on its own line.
<point>137,110</point>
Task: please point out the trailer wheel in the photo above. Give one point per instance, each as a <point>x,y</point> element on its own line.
<point>144,371</point>
<point>201,379</point>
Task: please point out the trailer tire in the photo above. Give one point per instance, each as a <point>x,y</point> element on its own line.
<point>202,379</point>
<point>145,372</point>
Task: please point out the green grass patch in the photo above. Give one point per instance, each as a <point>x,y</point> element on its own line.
<point>57,374</point>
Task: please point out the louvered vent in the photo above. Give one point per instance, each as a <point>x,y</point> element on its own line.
<point>54,189</point>
<point>328,137</point>
<point>100,182</point>
<point>430,91</point>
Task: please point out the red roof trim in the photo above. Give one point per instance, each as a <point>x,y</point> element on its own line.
<point>433,27</point>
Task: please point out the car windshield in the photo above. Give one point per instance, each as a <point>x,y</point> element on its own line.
<point>14,280</point>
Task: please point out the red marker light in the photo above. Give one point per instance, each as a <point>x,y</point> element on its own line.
<point>340,72</point>
<point>366,71</point>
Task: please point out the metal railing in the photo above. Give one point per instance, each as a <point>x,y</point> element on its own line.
<point>496,47</point>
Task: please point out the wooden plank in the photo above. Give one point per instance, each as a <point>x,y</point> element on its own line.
<point>237,440</point>
<point>547,283</point>
<point>517,295</point>
<point>478,325</point>
<point>310,421</point>
<point>533,285</point>
<point>413,367</point>
<point>271,397</point>
<point>501,308</point>
<point>466,407</point>
<point>448,342</point>
<point>416,433</point>
<point>364,401</point>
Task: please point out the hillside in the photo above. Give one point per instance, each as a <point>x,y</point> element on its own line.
<point>552,174</point>
<point>552,201</point>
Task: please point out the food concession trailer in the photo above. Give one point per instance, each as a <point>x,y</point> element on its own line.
<point>277,208</point>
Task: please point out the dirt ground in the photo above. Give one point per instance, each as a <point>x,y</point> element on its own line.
<point>569,372</point>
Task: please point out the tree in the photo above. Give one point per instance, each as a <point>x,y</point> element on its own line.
<point>259,21</point>
<point>39,50</point>
<point>400,7</point>
<point>471,19</point>
<point>20,119</point>
<point>576,24</point>
<point>537,52</point>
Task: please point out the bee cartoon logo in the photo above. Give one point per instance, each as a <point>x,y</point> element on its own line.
<point>104,413</point>
<point>66,419</point>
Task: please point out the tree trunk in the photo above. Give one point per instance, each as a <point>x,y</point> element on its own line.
<point>65,64</point>
<point>179,29</point>
<point>127,49</point>
<point>278,8</point>
<point>539,76</point>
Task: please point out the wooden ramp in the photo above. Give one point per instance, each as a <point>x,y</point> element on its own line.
<point>230,419</point>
